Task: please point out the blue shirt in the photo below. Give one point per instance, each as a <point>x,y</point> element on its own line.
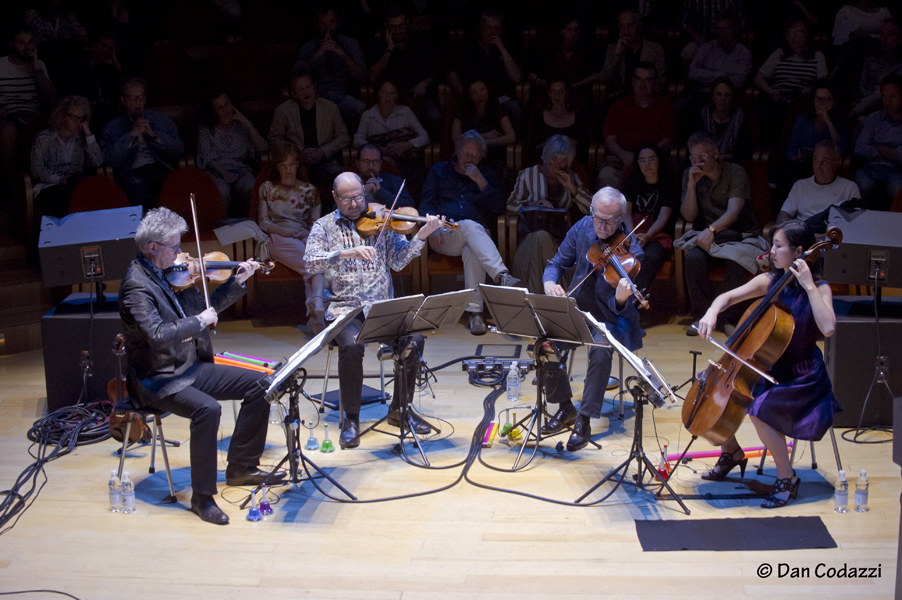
<point>454,196</point>
<point>880,130</point>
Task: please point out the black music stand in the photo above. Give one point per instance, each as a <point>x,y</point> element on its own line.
<point>545,318</point>
<point>393,323</point>
<point>290,379</point>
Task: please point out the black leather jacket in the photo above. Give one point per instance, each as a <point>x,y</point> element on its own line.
<point>163,347</point>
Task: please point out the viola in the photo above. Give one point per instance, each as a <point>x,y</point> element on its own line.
<point>404,220</point>
<point>186,270</point>
<point>616,262</point>
<point>718,401</point>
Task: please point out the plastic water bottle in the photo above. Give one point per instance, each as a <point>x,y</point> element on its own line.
<point>861,492</point>
<point>513,384</point>
<point>128,494</point>
<point>115,492</point>
<point>841,494</point>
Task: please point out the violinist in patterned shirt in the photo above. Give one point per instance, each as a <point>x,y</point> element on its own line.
<point>357,275</point>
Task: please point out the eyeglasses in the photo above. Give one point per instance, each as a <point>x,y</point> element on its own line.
<point>610,222</point>
<point>79,118</point>
<point>140,98</point>
<point>648,161</point>
<point>174,249</point>
<point>696,158</point>
<point>367,161</point>
<point>359,199</point>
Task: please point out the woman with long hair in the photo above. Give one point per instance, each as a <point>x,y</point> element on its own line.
<point>726,122</point>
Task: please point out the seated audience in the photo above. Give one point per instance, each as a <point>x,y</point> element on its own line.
<point>824,189</point>
<point>623,56</point>
<point>651,194</point>
<point>698,19</point>
<point>142,146</point>
<point>877,66</point>
<point>61,154</point>
<point>640,117</point>
<point>394,128</point>
<point>549,184</point>
<point>481,112</point>
<point>379,186</point>
<point>98,79</point>
<point>470,193</point>
<point>336,64</point>
<point>53,20</point>
<point>717,200</point>
<point>880,144</point>
<point>558,115</point>
<point>568,59</point>
<point>409,60</point>
<point>314,125</point>
<point>787,75</point>
<point>229,148</point>
<point>727,123</point>
<point>821,121</point>
<point>486,59</point>
<point>856,28</point>
<point>287,210</point>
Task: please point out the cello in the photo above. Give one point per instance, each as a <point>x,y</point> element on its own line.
<point>719,399</point>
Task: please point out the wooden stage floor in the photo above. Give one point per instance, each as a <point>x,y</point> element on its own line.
<point>462,543</point>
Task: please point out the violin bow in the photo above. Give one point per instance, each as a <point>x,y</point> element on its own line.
<point>734,355</point>
<point>200,258</point>
<point>390,213</point>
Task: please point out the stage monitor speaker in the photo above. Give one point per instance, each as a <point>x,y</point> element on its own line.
<point>871,241</point>
<point>99,243</point>
<point>851,354</point>
<point>66,333</point>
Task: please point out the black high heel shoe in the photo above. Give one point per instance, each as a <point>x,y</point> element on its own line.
<point>780,486</point>
<point>724,465</point>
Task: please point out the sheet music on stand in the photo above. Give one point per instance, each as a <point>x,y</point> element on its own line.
<point>388,319</point>
<point>517,312</point>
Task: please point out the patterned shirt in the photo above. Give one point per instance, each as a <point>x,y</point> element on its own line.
<point>355,283</point>
<point>293,208</point>
<point>232,148</point>
<point>700,14</point>
<point>52,159</point>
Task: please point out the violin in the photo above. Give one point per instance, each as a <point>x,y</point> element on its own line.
<point>404,220</point>
<point>720,397</point>
<point>186,270</point>
<point>616,262</point>
<point>115,389</point>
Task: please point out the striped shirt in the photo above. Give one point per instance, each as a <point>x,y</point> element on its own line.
<point>790,75</point>
<point>19,94</point>
<point>531,188</point>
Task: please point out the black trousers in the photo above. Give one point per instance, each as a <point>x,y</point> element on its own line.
<point>696,268</point>
<point>556,382</point>
<point>200,403</point>
<point>350,368</point>
<point>655,256</point>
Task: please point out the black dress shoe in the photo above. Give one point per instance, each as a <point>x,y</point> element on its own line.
<point>205,507</point>
<point>243,475</point>
<point>349,433</point>
<point>581,434</point>
<point>420,428</point>
<point>561,419</point>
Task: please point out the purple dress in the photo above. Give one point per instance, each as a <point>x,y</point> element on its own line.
<point>801,405</point>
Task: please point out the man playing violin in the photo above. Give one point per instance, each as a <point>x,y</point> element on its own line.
<point>610,305</point>
<point>170,361</point>
<point>358,274</point>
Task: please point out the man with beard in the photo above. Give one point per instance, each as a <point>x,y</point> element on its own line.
<point>378,186</point>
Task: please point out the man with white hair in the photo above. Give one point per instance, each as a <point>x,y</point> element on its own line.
<point>463,189</point>
<point>610,305</point>
<point>358,274</point>
<point>170,361</point>
<point>822,190</point>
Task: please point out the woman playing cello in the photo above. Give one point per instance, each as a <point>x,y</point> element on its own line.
<point>801,405</point>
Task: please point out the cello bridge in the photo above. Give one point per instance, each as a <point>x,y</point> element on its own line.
<point>717,365</point>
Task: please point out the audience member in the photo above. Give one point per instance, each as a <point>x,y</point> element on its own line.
<point>855,31</point>
<point>723,56</point>
<point>25,89</point>
<point>462,189</point>
<point>567,59</point>
<point>61,153</point>
<point>287,210</point>
<point>727,123</point>
<point>229,148</point>
<point>698,21</point>
<point>877,66</point>
<point>824,189</point>
<point>623,56</point>
<point>99,79</point>
<point>880,143</point>
<point>379,186</point>
<point>549,184</point>
<point>651,194</point>
<point>336,64</point>
<point>142,146</point>
<point>409,59</point>
<point>394,128</point>
<point>486,59</point>
<point>314,125</point>
<point>716,199</point>
<point>633,120</point>
<point>481,112</point>
<point>787,75</point>
<point>53,20</point>
<point>559,115</point>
